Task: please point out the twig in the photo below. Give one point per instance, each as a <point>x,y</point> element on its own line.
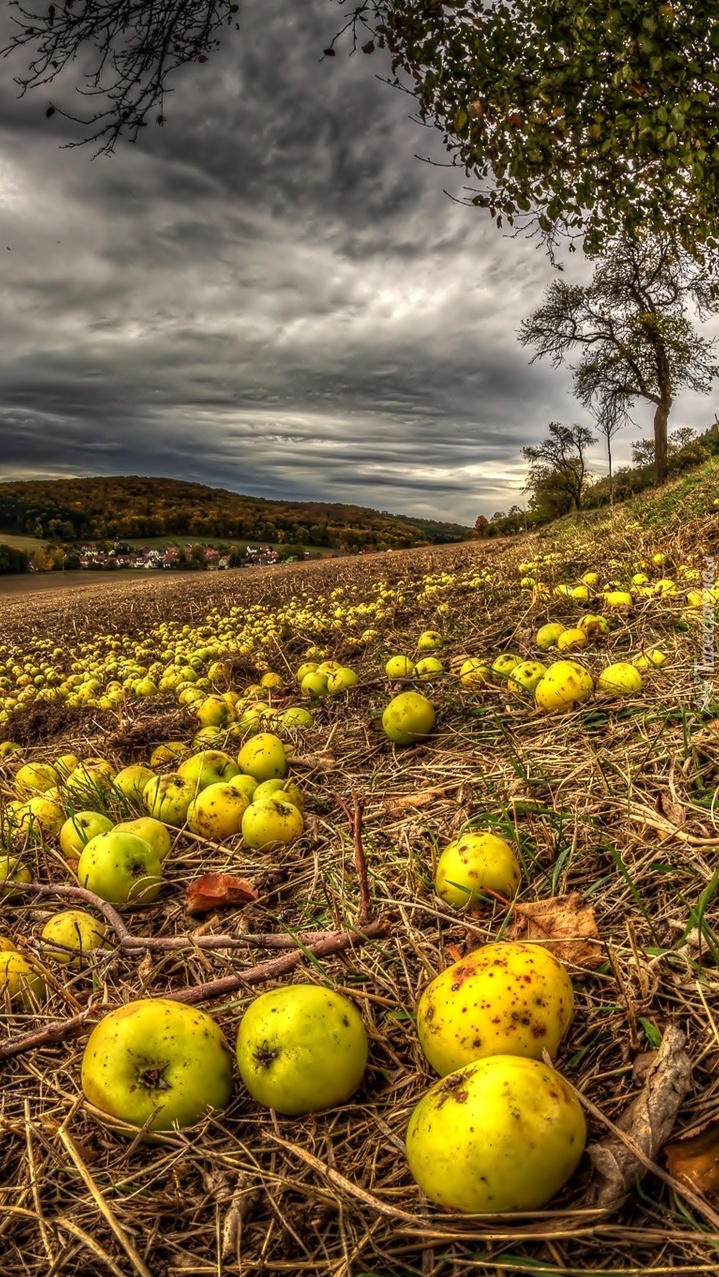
<point>107,910</point>
<point>55,1031</point>
<point>333,942</point>
<point>159,944</point>
<point>360,860</point>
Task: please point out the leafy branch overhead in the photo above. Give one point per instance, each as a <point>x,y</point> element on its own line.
<point>584,119</point>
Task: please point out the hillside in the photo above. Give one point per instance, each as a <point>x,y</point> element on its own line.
<point>132,507</point>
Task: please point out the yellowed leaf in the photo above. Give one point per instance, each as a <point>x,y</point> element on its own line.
<point>694,1160</point>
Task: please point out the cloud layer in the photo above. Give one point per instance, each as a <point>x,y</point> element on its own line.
<point>271,293</point>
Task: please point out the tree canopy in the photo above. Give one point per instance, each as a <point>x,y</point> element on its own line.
<point>584,118</point>
<point>558,466</point>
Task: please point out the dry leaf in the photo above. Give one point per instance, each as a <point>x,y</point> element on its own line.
<point>397,804</point>
<point>672,811</point>
<point>454,953</point>
<point>214,891</point>
<point>648,1123</point>
<point>565,924</point>
<point>694,1160</point>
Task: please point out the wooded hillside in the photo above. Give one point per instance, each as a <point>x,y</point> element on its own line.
<point>129,507</point>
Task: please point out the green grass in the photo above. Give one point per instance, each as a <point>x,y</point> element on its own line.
<point>20,542</point>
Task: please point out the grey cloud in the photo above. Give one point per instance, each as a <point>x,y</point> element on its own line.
<point>271,293</point>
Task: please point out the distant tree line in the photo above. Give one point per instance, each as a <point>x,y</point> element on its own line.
<point>13,560</point>
<point>552,494</point>
<point>135,508</point>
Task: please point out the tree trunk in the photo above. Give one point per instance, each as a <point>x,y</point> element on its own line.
<point>661,417</point>
<point>611,476</point>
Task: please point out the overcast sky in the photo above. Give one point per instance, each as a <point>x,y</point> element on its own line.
<point>271,293</point>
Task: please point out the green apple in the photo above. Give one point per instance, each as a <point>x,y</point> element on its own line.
<point>79,828</point>
<point>210,767</point>
<point>153,831</point>
<point>157,1064</point>
<point>271,821</point>
<point>301,1048</point>
<point>120,868</point>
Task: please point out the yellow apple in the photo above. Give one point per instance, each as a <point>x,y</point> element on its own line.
<point>168,752</point>
<point>12,870</point>
<point>408,718</point>
<point>548,635</point>
<point>473,864</point>
<point>217,812</point>
<point>209,767</point>
<point>399,667</point>
<point>264,757</point>
<point>564,685</point>
<point>271,821</point>
<point>501,1134</point>
<point>167,798</point>
<point>35,778</point>
<point>156,1064</point>
<point>620,679</point>
<point>23,981</point>
<point>132,781</point>
<point>286,790</point>
<point>153,831</point>
<point>77,932</point>
<point>502,999</point>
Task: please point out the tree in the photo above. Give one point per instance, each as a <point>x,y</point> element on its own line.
<point>575,118</point>
<point>481,524</point>
<point>631,326</point>
<point>560,462</point>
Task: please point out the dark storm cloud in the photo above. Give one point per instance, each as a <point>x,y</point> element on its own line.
<point>271,293</point>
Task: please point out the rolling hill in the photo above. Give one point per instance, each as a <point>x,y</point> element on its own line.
<point>131,507</point>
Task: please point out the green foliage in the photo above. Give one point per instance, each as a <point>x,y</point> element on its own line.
<point>13,559</point>
<point>580,118</point>
<point>132,508</point>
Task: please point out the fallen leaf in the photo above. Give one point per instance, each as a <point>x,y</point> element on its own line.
<point>694,1160</point>
<point>564,924</point>
<point>215,891</point>
<point>647,1123</point>
<point>672,811</point>
<point>399,803</point>
<point>454,953</point>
